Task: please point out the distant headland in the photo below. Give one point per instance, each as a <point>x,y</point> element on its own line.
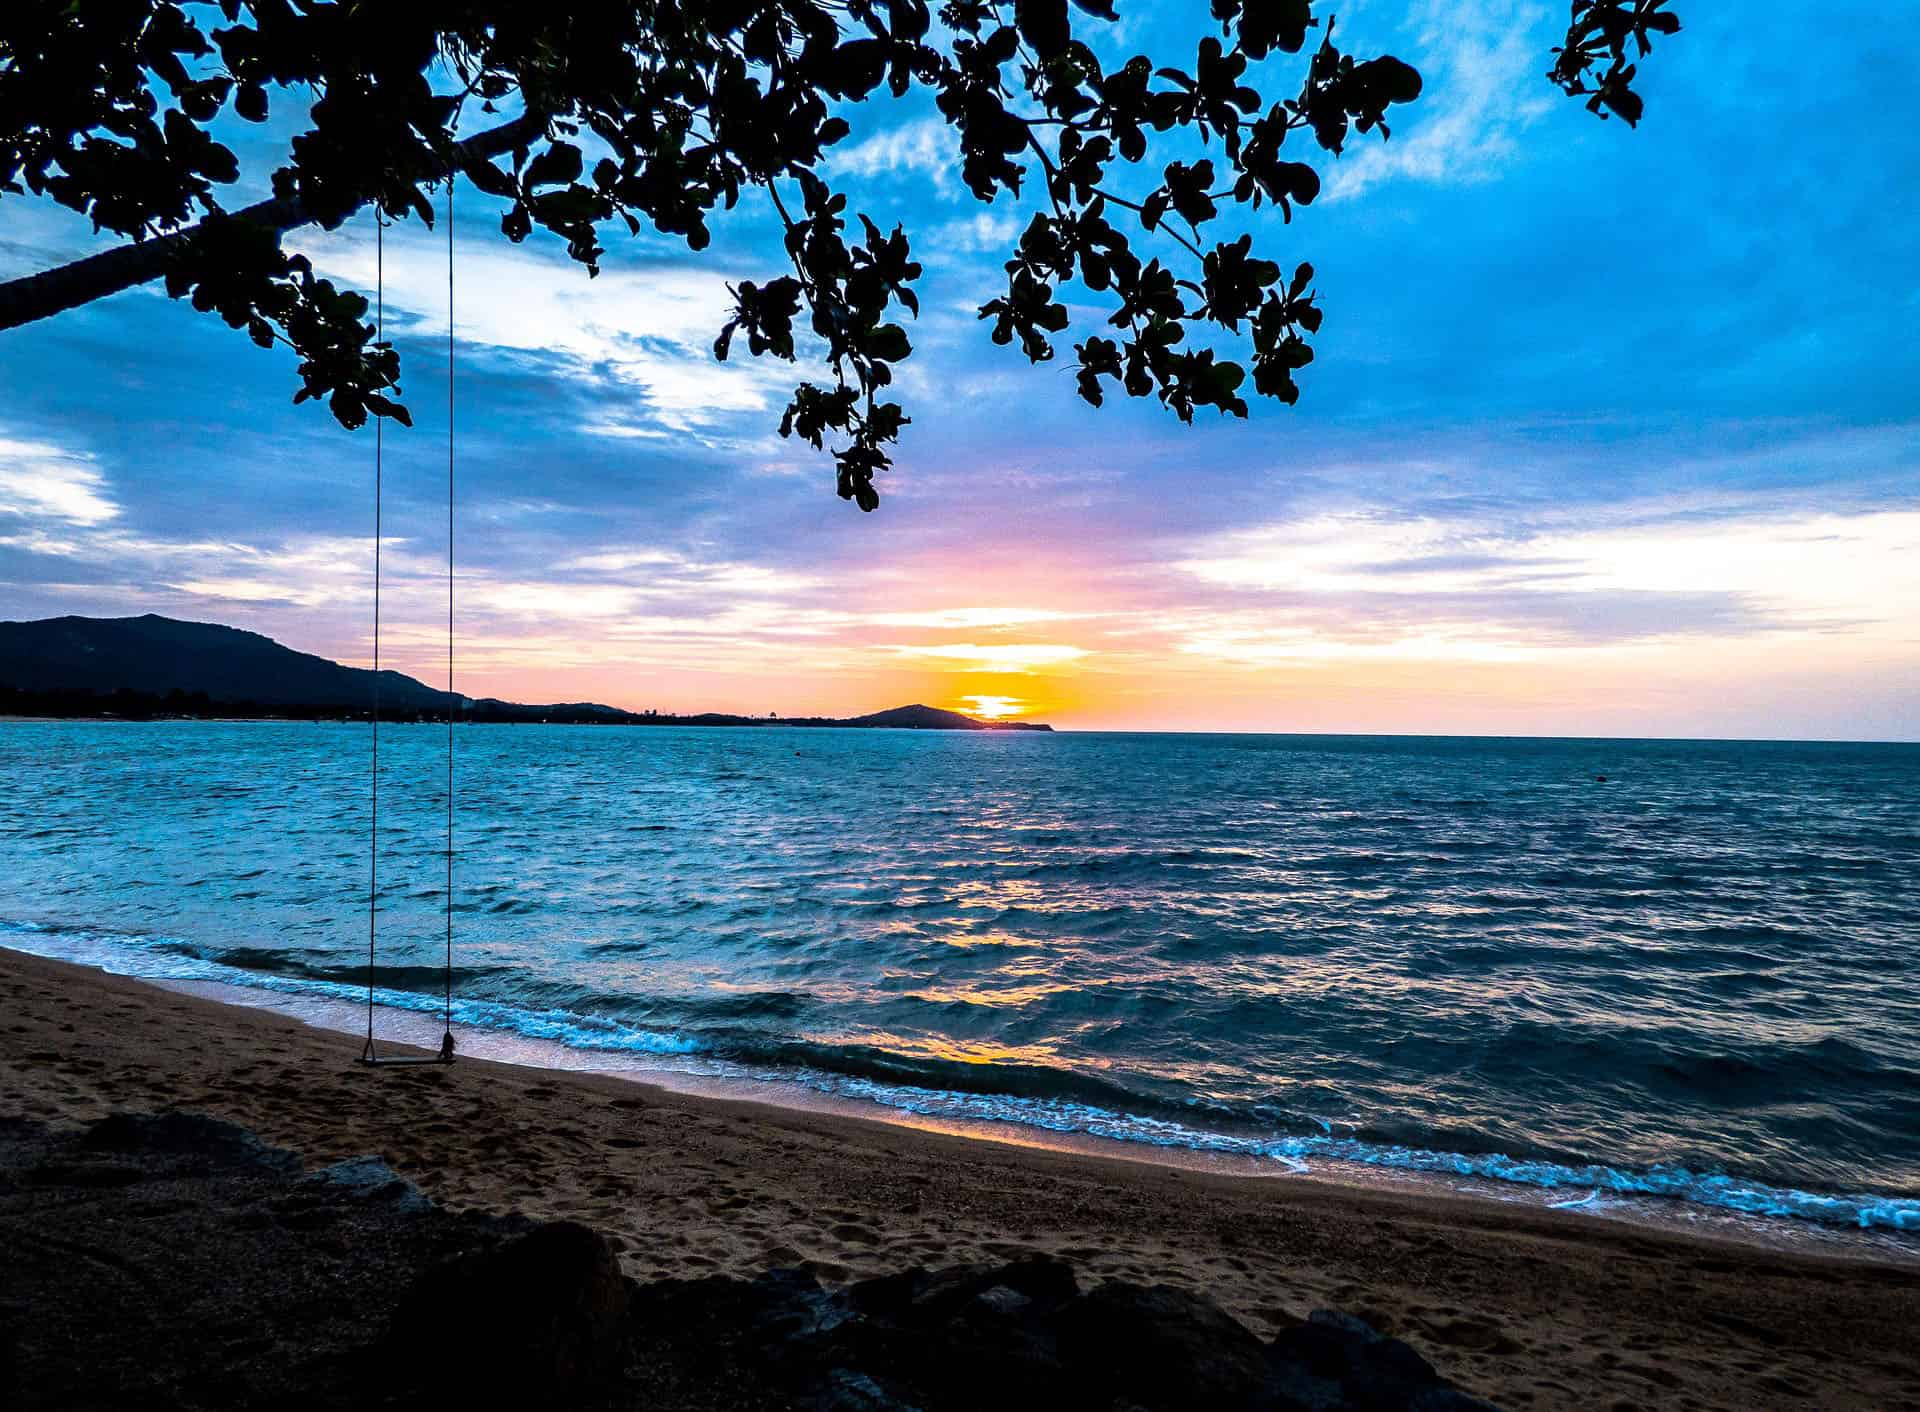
<point>155,668</point>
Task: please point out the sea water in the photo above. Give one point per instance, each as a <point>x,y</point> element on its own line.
<point>1678,969</point>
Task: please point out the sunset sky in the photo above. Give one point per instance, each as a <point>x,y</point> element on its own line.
<point>1611,432</point>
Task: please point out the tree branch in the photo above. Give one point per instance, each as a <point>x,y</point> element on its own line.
<point>33,297</point>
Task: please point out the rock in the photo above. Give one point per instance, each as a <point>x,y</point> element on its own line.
<point>776,1312</point>
<point>541,1317</point>
<point>13,1318</point>
<point>186,1135</point>
<point>961,1336</point>
<point>971,1336</point>
<point>1335,1362</point>
<point>921,1294</point>
<point>82,1174</point>
<point>1006,1301</point>
<point>369,1179</point>
<point>844,1390</point>
<point>1157,1346</point>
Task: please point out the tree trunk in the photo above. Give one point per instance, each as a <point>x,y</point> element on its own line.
<point>34,297</point>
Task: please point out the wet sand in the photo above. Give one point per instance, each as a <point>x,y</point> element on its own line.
<point>1525,1307</point>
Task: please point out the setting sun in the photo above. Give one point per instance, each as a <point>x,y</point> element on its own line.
<point>993,708</point>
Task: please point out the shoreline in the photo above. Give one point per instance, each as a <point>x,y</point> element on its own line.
<point>1745,1210</point>
<point>1522,1306</point>
<point>729,1082</point>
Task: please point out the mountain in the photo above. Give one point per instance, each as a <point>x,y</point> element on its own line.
<point>154,656</point>
<point>151,666</point>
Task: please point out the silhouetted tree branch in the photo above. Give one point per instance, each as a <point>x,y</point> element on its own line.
<point>663,111</point>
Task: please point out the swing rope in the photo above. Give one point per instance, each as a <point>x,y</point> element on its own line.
<point>368,1054</point>
<point>373,813</point>
<point>446,1040</point>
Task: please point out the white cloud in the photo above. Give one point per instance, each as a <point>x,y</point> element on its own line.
<point>1257,649</point>
<point>1428,587</point>
<point>650,330</point>
<point>971,618</point>
<point>1345,553</point>
<point>1483,88</point>
<point>995,657</point>
<point>307,572</point>
<point>1813,570</point>
<point>622,561</point>
<point>553,601</point>
<point>664,573</point>
<point>40,481</point>
<point>925,146</point>
<point>987,230</point>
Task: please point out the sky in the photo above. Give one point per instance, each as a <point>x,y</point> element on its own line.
<point>1611,432</point>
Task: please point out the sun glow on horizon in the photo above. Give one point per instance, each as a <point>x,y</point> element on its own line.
<point>994,708</point>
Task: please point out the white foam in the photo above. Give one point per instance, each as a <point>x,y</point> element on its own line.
<point>554,1038</point>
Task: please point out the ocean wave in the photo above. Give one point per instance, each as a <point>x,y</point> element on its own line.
<point>1864,1210</point>
<point>848,1072</point>
<point>155,958</point>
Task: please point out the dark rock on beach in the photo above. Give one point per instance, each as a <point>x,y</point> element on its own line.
<point>175,1260</point>
<point>540,1316</point>
<point>367,1179</point>
<point>1025,1333</point>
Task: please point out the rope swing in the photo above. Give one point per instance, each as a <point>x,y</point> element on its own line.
<point>369,1054</point>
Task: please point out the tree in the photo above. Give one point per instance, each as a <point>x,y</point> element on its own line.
<point>669,111</point>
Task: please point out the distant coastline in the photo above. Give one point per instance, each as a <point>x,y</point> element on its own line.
<point>127,705</point>
<point>153,668</point>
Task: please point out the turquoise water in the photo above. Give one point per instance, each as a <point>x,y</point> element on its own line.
<point>1470,957</point>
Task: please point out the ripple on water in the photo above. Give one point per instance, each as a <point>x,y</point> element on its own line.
<point>1458,956</point>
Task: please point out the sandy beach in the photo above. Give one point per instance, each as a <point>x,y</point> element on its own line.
<point>1525,1308</point>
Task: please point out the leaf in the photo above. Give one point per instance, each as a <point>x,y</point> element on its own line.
<point>1393,79</point>
<point>1043,24</point>
<point>857,66</point>
<point>558,165</point>
<point>490,179</point>
<point>889,342</point>
<point>1275,24</point>
<point>250,102</point>
<point>388,408</point>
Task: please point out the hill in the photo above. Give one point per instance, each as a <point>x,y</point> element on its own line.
<point>155,656</point>
<point>154,666</point>
<point>932,718</point>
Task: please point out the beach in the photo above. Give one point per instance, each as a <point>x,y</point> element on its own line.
<point>1526,1308</point>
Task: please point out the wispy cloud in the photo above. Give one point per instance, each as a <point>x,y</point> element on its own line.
<point>974,618</point>
<point>925,147</point>
<point>985,231</point>
<point>1331,585</point>
<point>647,333</point>
<point>1481,64</point>
<point>42,482</point>
<point>995,657</point>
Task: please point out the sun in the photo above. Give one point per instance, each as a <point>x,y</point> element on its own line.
<point>995,708</point>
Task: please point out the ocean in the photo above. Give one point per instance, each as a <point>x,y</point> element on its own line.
<point>1691,980</point>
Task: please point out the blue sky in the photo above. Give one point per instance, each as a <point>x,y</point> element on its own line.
<point>1611,431</point>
